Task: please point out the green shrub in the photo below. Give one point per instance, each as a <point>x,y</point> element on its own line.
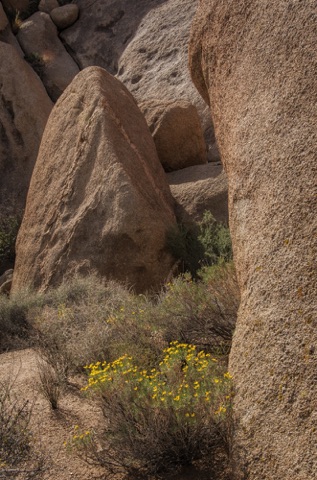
<point>9,227</point>
<point>161,419</point>
<point>201,244</point>
<point>215,239</point>
<point>184,244</point>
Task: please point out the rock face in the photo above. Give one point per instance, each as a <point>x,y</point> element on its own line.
<point>99,190</point>
<point>145,43</point>
<point>177,133</point>
<point>24,110</point>
<point>256,62</point>
<point>39,40</point>
<point>111,25</point>
<point>155,62</point>
<point>200,188</point>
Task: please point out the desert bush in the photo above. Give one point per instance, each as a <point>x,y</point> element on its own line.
<point>73,327</point>
<point>185,246</point>
<point>196,245</point>
<point>9,226</point>
<point>160,419</point>
<point>202,312</point>
<point>215,239</point>
<point>17,459</point>
<point>15,329</point>
<point>51,382</point>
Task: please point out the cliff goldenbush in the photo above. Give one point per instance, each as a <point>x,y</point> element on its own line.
<point>160,419</point>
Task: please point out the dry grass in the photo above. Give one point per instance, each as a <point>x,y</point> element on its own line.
<point>87,321</point>
<point>18,460</point>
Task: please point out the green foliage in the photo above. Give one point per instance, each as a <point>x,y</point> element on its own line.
<point>163,418</point>
<point>197,245</point>
<point>215,239</point>
<point>184,244</point>
<point>9,227</point>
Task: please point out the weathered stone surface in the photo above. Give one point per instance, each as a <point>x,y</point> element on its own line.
<point>200,188</point>
<point>65,16</point>
<point>24,109</point>
<point>177,133</point>
<point>256,62</point>
<point>39,40</point>
<point>48,5</point>
<point>145,43</point>
<point>111,25</point>
<point>99,190</point>
<point>155,62</point>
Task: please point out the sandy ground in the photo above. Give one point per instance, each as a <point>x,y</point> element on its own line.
<point>52,428</point>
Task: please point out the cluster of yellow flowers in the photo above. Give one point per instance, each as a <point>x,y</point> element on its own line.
<point>190,382</point>
<point>78,438</point>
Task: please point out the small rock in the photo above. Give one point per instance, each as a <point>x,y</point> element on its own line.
<point>65,16</point>
<point>100,192</point>
<point>48,5</point>
<point>39,40</point>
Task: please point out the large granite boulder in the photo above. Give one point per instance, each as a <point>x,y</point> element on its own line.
<point>99,200</point>
<point>24,110</point>
<point>256,62</point>
<point>38,37</point>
